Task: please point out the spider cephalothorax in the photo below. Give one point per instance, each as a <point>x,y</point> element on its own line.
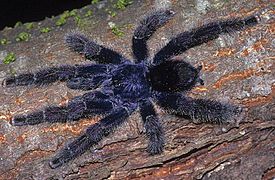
<point>174,76</point>
<point>119,86</point>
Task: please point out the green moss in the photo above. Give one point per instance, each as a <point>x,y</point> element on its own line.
<point>88,13</point>
<point>111,12</point>
<point>94,1</point>
<point>82,22</point>
<point>29,26</point>
<point>115,29</point>
<point>9,58</point>
<point>61,21</point>
<point>78,20</point>
<point>4,41</point>
<point>63,17</point>
<point>45,29</point>
<point>17,24</point>
<point>73,13</point>
<point>122,4</point>
<point>23,36</point>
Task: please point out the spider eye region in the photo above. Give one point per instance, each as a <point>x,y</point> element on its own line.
<point>129,82</point>
<point>174,76</point>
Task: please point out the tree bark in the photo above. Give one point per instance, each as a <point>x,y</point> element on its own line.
<point>238,68</point>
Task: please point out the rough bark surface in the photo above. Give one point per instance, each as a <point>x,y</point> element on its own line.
<point>238,68</point>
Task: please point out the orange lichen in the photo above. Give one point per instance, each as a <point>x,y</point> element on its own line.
<point>245,52</point>
<point>269,174</point>
<point>183,167</point>
<point>2,139</point>
<point>21,138</point>
<point>234,76</point>
<point>18,101</point>
<point>208,67</point>
<point>259,100</point>
<point>225,52</point>
<point>75,129</point>
<point>259,45</point>
<point>29,156</point>
<point>271,28</point>
<point>162,172</point>
<point>199,89</point>
<point>6,116</point>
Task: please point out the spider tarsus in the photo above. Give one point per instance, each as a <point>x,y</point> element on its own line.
<point>20,80</point>
<point>71,151</point>
<point>55,163</point>
<point>76,41</point>
<point>252,20</point>
<point>9,82</point>
<point>146,29</point>
<point>18,121</point>
<point>29,119</point>
<point>92,51</point>
<point>155,147</point>
<point>150,24</point>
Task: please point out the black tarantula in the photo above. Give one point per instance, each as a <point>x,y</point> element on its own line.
<point>124,86</point>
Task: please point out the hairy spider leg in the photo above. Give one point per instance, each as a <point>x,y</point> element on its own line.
<point>53,74</point>
<point>92,136</point>
<point>146,29</point>
<point>89,104</point>
<point>199,110</point>
<point>93,51</point>
<point>198,36</point>
<point>86,83</point>
<point>89,77</point>
<point>153,127</point>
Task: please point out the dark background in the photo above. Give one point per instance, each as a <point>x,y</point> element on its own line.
<point>12,11</point>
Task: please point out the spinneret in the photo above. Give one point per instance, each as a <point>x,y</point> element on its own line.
<point>125,86</point>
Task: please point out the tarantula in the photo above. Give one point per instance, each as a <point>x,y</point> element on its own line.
<point>122,86</point>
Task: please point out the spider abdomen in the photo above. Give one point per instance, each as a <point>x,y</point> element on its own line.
<point>129,82</point>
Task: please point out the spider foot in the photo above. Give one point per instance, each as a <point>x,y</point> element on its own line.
<point>155,147</point>
<point>76,41</point>
<point>19,121</point>
<point>92,51</point>
<point>151,23</point>
<point>21,80</point>
<point>31,119</point>
<point>57,161</point>
<point>146,29</point>
<point>71,151</point>
<point>82,44</point>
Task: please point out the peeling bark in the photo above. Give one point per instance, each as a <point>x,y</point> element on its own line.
<point>238,68</point>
